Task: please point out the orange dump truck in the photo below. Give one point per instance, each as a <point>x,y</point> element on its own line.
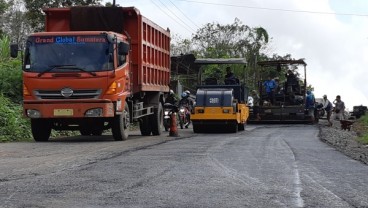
<point>96,68</point>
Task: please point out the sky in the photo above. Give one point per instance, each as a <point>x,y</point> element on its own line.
<point>331,35</point>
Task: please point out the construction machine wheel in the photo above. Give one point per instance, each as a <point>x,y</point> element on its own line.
<point>41,129</point>
<point>120,125</point>
<point>233,127</point>
<point>197,128</point>
<point>241,126</point>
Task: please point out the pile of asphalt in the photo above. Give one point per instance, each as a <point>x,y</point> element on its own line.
<point>343,140</point>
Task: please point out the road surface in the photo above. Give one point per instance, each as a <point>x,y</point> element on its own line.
<point>263,166</point>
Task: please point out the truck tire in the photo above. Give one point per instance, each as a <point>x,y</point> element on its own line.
<point>157,120</point>
<point>120,125</point>
<point>41,129</point>
<point>145,126</point>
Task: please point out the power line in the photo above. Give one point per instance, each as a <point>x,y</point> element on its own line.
<point>168,9</point>
<point>276,9</point>
<point>170,16</point>
<point>184,14</point>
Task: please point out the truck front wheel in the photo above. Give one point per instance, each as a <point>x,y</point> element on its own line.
<point>41,129</point>
<point>120,125</point>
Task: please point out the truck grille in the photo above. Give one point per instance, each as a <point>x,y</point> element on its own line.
<point>77,94</point>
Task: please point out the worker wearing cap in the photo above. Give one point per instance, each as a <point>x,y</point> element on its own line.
<point>327,106</point>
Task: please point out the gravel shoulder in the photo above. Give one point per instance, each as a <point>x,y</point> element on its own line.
<point>343,140</point>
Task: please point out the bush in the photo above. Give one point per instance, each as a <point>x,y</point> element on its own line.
<point>10,73</point>
<point>11,80</point>
<point>362,129</point>
<point>13,126</point>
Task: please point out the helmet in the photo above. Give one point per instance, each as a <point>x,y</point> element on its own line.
<point>187,91</point>
<point>184,95</point>
<point>171,92</point>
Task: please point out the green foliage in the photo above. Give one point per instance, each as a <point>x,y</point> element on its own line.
<point>4,5</point>
<point>363,126</point>
<point>10,73</point>
<point>222,41</point>
<point>180,46</point>
<point>13,127</point>
<point>234,40</point>
<point>4,48</point>
<point>36,16</point>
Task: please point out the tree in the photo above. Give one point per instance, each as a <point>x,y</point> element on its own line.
<point>180,46</point>
<point>16,24</point>
<point>4,5</point>
<point>36,16</point>
<point>232,41</point>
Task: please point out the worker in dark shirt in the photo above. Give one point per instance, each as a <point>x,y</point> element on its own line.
<point>230,77</point>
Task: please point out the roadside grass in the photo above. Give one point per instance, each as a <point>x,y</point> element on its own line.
<point>362,129</point>
<point>13,127</point>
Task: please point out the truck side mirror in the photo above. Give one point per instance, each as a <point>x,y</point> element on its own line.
<point>123,48</point>
<point>14,50</point>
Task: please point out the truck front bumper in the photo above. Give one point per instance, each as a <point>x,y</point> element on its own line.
<point>99,108</point>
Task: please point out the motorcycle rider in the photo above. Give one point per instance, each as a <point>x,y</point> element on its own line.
<point>171,98</point>
<point>188,103</point>
<point>170,106</point>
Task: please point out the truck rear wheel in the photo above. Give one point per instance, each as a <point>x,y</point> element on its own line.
<point>120,125</point>
<point>145,126</point>
<point>41,129</point>
<point>157,120</point>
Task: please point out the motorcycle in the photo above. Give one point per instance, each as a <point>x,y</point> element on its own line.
<point>169,109</point>
<point>184,119</point>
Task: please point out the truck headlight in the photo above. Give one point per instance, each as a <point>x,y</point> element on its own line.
<point>95,112</point>
<point>32,113</point>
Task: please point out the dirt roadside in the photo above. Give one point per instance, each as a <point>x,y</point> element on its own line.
<point>343,140</point>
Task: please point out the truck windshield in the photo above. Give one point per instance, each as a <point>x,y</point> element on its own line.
<point>88,53</point>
